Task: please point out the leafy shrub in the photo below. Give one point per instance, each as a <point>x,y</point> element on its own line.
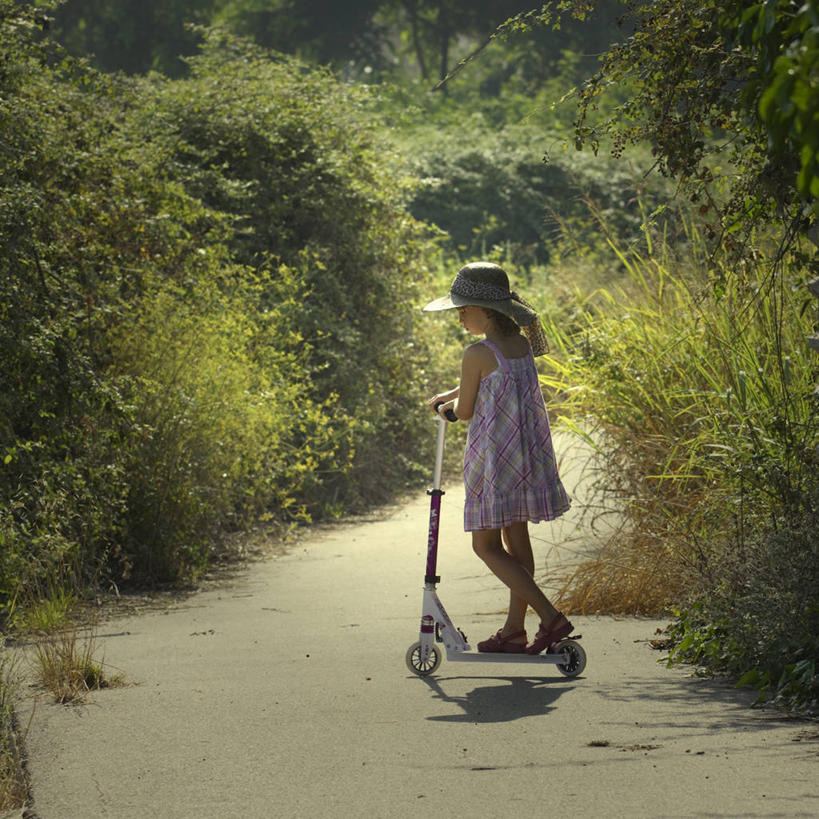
<point>294,159</point>
<point>486,185</point>
<point>760,621</point>
<point>62,479</point>
<point>496,165</point>
<point>207,295</point>
<point>228,430</point>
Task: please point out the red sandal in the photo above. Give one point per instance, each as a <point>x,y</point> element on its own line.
<point>547,636</point>
<point>501,644</point>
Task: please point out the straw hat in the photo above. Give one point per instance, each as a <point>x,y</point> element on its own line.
<point>484,284</point>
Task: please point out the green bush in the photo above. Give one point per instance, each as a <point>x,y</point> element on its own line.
<point>61,422</point>
<point>208,294</point>
<point>227,432</point>
<point>295,160</point>
<point>520,187</point>
<point>760,621</point>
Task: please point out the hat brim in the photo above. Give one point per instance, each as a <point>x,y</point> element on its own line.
<point>454,300</point>
<point>444,303</point>
<point>520,313</point>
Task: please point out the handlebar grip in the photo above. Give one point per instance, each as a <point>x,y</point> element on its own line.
<point>450,415</point>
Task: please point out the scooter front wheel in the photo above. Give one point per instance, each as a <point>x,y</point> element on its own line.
<point>420,665</point>
<point>574,655</point>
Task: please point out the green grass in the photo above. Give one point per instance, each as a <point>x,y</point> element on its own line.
<point>67,666</point>
<point>48,613</point>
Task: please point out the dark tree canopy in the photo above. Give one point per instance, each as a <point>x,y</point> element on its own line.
<point>724,92</point>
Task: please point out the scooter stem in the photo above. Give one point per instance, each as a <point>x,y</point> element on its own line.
<point>435,507</point>
<point>439,454</point>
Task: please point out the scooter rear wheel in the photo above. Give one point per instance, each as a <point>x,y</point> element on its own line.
<point>575,657</point>
<point>419,666</point>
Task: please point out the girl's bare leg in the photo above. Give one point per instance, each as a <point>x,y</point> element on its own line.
<point>517,543</point>
<point>513,572</point>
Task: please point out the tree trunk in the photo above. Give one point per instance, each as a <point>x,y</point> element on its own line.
<point>444,34</point>
<point>412,9</point>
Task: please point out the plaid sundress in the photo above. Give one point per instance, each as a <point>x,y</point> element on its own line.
<point>510,472</point>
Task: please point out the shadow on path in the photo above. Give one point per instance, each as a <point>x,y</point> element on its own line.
<point>512,698</point>
<point>687,703</point>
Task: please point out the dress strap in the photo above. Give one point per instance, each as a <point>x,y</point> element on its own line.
<point>502,365</point>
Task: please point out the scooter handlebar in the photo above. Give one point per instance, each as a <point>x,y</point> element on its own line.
<point>450,415</point>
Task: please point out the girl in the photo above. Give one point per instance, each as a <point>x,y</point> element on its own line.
<point>510,474</point>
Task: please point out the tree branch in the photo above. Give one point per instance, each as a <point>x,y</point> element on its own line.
<point>468,59</point>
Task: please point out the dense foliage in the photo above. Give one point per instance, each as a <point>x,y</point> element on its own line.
<point>202,321</point>
<point>498,189</point>
<point>200,277</point>
<point>725,93</point>
<point>709,416</point>
<point>708,451</point>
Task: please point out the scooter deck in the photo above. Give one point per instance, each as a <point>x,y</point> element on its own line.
<point>503,657</point>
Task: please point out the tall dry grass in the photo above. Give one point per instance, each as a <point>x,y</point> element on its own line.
<point>698,396</point>
<point>13,785</point>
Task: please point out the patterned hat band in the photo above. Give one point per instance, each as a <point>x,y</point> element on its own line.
<point>470,289</point>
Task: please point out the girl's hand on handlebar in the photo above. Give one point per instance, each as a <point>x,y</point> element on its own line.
<point>443,398</point>
<point>447,410</point>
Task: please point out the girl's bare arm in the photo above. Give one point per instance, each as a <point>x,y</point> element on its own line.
<point>473,366</point>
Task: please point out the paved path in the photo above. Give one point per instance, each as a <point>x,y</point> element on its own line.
<point>284,693</point>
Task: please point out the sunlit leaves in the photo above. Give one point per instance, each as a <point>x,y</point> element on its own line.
<point>206,292</point>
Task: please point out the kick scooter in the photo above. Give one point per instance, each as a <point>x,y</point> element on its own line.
<point>424,657</point>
